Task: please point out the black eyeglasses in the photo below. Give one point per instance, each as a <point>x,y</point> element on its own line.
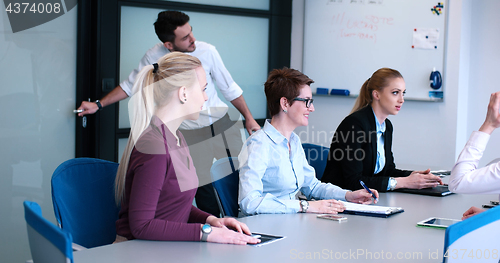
<point>307,101</point>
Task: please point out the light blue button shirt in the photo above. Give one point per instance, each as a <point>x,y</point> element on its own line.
<point>379,165</point>
<point>271,175</point>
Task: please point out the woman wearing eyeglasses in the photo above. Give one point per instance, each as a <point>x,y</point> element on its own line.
<point>361,146</point>
<point>273,167</point>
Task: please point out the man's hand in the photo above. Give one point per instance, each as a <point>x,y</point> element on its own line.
<point>88,108</point>
<point>251,125</point>
<point>115,95</point>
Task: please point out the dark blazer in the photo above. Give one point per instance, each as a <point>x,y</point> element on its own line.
<point>353,153</point>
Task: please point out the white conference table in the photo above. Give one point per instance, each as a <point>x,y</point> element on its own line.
<point>359,239</point>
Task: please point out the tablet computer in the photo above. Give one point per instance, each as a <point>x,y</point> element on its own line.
<point>265,239</point>
<point>440,190</point>
<point>437,222</point>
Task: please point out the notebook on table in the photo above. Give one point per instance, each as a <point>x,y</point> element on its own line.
<point>370,210</point>
<point>440,190</point>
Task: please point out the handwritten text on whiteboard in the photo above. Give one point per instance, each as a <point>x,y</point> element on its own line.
<point>347,26</point>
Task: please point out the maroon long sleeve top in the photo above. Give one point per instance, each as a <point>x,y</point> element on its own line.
<point>160,186</point>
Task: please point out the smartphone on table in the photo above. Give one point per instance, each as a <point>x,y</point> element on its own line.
<point>333,217</point>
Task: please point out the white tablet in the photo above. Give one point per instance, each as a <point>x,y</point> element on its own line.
<point>265,239</point>
<point>438,222</point>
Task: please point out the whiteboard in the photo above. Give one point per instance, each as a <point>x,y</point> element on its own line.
<point>345,41</point>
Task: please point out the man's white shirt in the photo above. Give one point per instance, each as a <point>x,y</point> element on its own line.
<point>216,72</point>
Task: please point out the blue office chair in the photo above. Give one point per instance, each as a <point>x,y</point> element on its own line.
<point>84,201</point>
<point>48,243</point>
<point>225,180</point>
<point>317,156</point>
<point>478,234</point>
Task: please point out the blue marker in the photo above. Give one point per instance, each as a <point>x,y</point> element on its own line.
<point>368,190</point>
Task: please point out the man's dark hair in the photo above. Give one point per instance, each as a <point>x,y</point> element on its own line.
<point>166,24</point>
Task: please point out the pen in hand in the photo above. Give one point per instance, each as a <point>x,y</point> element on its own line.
<point>368,190</point>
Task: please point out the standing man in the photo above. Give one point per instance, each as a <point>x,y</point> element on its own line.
<point>213,135</point>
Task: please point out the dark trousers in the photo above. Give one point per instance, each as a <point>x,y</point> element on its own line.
<point>219,140</point>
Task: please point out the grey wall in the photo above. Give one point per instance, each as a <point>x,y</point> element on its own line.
<point>37,126</point>
<point>484,68</point>
<point>429,134</point>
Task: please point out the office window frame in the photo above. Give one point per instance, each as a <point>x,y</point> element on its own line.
<point>98,61</point>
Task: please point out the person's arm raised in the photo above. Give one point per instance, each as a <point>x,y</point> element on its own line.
<point>493,116</point>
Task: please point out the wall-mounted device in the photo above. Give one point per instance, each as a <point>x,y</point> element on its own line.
<point>435,79</point>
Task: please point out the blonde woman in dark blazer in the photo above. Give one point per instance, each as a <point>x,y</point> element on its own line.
<point>361,146</point>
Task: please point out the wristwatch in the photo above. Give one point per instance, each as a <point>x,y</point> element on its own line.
<point>392,183</point>
<point>304,204</point>
<point>206,229</point>
<point>99,105</point>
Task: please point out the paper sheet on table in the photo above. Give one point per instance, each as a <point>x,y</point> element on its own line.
<point>425,38</point>
<point>370,208</point>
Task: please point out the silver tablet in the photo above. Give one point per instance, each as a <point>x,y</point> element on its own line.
<point>438,222</point>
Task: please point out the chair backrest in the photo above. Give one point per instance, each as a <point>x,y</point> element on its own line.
<point>48,243</point>
<point>84,201</point>
<point>477,235</point>
<point>317,157</point>
<point>225,180</point>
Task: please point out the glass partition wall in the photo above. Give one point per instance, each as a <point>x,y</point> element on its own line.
<point>252,38</point>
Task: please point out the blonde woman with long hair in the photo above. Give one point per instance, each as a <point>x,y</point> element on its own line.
<point>361,147</point>
<point>156,181</point>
